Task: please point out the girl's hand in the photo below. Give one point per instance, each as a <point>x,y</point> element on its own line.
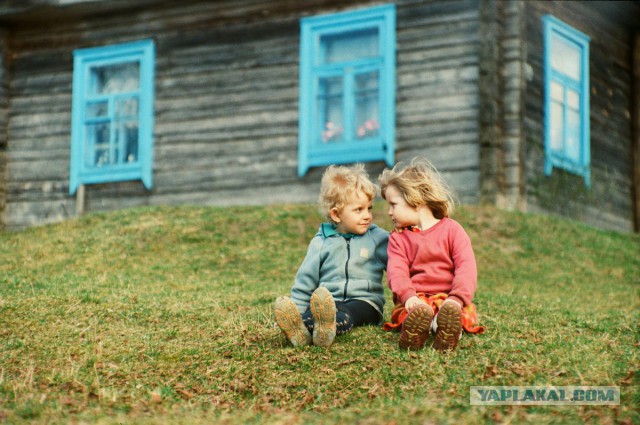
<point>412,303</point>
<point>451,300</point>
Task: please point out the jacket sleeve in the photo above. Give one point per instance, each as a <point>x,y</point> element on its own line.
<point>308,276</point>
<point>465,278</point>
<point>398,270</point>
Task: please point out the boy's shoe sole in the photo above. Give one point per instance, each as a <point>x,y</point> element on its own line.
<point>449,326</point>
<point>290,322</point>
<point>415,328</point>
<point>323,310</point>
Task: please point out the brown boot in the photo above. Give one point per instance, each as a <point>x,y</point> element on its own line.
<point>415,328</point>
<point>323,310</point>
<point>290,322</point>
<point>449,322</point>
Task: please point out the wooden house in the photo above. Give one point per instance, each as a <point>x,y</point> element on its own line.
<point>528,105</point>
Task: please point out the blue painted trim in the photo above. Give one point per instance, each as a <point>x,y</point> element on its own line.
<point>85,59</point>
<point>553,26</point>
<point>311,152</point>
<point>304,114</point>
<point>389,91</point>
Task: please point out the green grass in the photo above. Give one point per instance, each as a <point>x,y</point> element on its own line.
<point>164,315</point>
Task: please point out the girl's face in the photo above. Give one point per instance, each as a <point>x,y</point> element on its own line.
<point>355,217</point>
<point>402,214</point>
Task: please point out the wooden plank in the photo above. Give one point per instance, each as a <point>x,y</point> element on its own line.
<point>4,125</point>
<point>415,75</point>
<point>25,141</point>
<point>39,169</point>
<point>24,214</point>
<point>490,106</point>
<point>513,87</point>
<point>636,130</point>
<point>80,200</point>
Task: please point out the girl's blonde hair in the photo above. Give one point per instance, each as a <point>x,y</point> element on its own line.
<point>339,183</point>
<point>420,183</point>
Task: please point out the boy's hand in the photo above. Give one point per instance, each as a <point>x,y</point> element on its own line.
<point>412,303</point>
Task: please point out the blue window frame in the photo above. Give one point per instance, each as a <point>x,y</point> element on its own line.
<point>112,114</point>
<point>347,88</point>
<point>566,99</point>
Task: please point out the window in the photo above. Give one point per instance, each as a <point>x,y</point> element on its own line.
<point>112,114</point>
<point>566,99</point>
<point>347,88</point>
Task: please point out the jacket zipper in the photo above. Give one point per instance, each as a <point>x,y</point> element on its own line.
<point>346,268</point>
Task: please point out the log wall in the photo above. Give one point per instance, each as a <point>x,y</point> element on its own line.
<point>609,201</point>
<point>4,122</point>
<point>226,102</point>
<point>469,97</point>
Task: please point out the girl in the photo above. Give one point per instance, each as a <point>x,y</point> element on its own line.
<point>431,268</point>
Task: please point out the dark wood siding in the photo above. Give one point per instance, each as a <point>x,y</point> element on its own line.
<point>226,108</point>
<point>4,122</point>
<point>437,95</point>
<point>226,99</point>
<point>609,201</point>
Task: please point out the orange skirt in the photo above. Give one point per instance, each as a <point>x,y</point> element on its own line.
<point>469,314</point>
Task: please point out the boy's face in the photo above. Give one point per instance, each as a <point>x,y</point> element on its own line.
<point>355,217</point>
<point>402,214</point>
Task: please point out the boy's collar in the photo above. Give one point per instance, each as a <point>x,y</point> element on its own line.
<point>329,229</point>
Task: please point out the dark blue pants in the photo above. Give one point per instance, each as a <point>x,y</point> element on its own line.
<point>349,314</point>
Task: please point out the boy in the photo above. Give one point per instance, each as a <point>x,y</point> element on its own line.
<point>339,284</point>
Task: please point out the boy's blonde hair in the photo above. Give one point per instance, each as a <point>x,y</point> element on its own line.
<point>339,183</point>
<point>420,183</point>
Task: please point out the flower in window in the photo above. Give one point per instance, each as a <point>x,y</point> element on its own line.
<point>369,128</point>
<point>331,132</point>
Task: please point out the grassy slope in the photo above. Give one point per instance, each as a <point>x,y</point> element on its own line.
<point>164,315</point>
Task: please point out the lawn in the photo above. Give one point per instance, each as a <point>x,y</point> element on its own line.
<point>164,316</point>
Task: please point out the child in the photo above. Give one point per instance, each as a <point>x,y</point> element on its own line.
<point>339,284</point>
<point>432,268</point>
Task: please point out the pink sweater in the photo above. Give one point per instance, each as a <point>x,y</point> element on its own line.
<point>439,259</point>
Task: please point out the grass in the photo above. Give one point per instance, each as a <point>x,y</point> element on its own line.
<point>164,315</point>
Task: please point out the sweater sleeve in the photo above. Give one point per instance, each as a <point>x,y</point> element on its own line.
<point>308,275</point>
<point>465,278</point>
<point>398,269</point>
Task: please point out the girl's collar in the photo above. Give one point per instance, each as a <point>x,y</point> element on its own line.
<point>418,229</point>
<point>414,229</point>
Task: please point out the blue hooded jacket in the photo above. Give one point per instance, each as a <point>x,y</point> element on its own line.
<point>349,266</point>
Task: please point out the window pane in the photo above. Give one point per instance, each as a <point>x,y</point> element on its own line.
<point>556,127</point>
<point>573,136</point>
<point>127,108</point>
<point>97,148</point>
<point>573,100</point>
<point>367,105</point>
<point>565,57</point>
<point>330,92</point>
<point>349,46</point>
<point>120,78</point>
<point>128,138</point>
<point>97,109</point>
<point>557,93</point>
